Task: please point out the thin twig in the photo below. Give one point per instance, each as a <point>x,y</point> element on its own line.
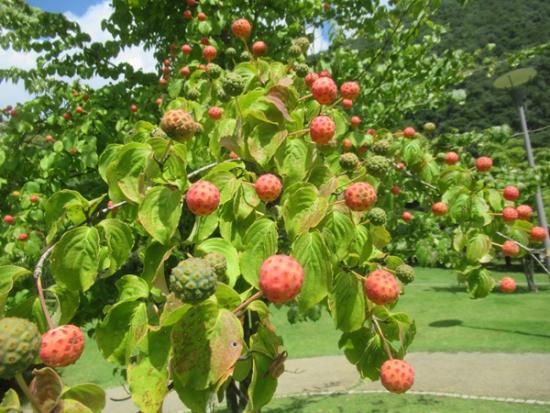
<point>247,302</point>
<point>202,169</point>
<point>416,178</point>
<point>37,274</point>
<point>25,388</point>
<point>529,251</point>
<point>381,334</point>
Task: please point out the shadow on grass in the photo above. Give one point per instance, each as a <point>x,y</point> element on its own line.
<point>456,289</point>
<point>459,323</point>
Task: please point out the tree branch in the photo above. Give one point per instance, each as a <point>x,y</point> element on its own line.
<point>37,274</point>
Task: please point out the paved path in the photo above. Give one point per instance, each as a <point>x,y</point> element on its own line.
<point>498,375</point>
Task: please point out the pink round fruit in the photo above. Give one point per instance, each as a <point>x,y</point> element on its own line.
<point>268,187</point>
<point>350,90</point>
<point>381,287</point>
<point>62,346</point>
<point>409,132</point>
<point>34,198</point>
<point>397,376</point>
<point>484,164</point>
<point>440,208</point>
<point>360,196</point>
<point>322,129</point>
<point>510,193</point>
<point>133,108</point>
<point>241,28</point>
<point>23,236</point>
<point>281,278</point>
<point>355,121</point>
<point>508,285</point>
<point>215,112</point>
<point>186,49</point>
<point>347,104</point>
<point>310,78</point>
<point>324,90</point>
<point>185,71</point>
<point>510,248</point>
<point>451,158</point>
<point>201,16</point>
<point>187,15</point>
<point>509,214</point>
<point>524,212</point>
<point>371,132</point>
<point>202,198</point>
<point>259,48</point>
<point>407,216</point>
<point>347,144</point>
<point>9,219</point>
<point>325,73</point>
<point>395,190</point>
<point>538,234</point>
<point>209,53</point>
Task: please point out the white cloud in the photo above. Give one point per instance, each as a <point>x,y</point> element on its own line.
<point>90,22</point>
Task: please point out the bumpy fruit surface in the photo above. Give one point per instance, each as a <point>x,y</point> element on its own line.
<point>193,280</point>
<point>233,84</point>
<point>294,51</point>
<point>302,43</point>
<point>381,147</point>
<point>348,161</point>
<point>524,212</point>
<point>377,165</point>
<point>350,90</point>
<point>214,71</point>
<point>484,164</point>
<point>209,53</point>
<point>409,132</point>
<point>268,187</point>
<point>322,129</point>
<point>62,346</point>
<point>381,287</point>
<point>215,112</point>
<point>440,208</point>
<point>347,144</point>
<point>405,273</point>
<point>179,125</point>
<point>311,78</point>
<point>510,248</point>
<point>325,73</point>
<point>19,345</point>
<point>230,52</point>
<point>281,278</point>
<point>324,90</point>
<point>301,69</point>
<point>508,285</point>
<point>360,196</point>
<point>9,219</point>
<point>407,216</point>
<point>377,216</point>
<point>397,376</point>
<point>246,55</point>
<point>451,158</point>
<point>241,28</point>
<point>218,263</point>
<point>509,214</point>
<point>259,48</point>
<point>510,193</point>
<point>538,234</point>
<point>202,198</point>
<point>347,104</point>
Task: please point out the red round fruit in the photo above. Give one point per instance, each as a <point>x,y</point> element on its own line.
<point>166,62</point>
<point>310,78</point>
<point>158,101</point>
<point>79,109</point>
<point>268,187</point>
<point>325,73</point>
<point>66,116</point>
<point>381,287</point>
<point>510,193</point>
<point>347,104</point>
<point>347,144</point>
<point>201,16</point>
<point>397,376</point>
<point>524,212</point>
<point>49,138</point>
<point>192,3</point>
<point>205,41</point>
<point>187,14</point>
<point>133,108</point>
<point>259,48</point>
<point>202,198</point>
<point>186,49</point>
<point>451,158</point>
<point>409,132</point>
<point>510,248</point>
<point>9,219</point>
<point>362,149</point>
<point>166,70</point>
<point>508,285</point>
<point>215,112</point>
<point>233,155</point>
<point>407,216</point>
<point>163,82</point>
<point>360,196</point>
<point>324,90</point>
<point>440,208</point>
<point>400,166</point>
<point>509,214</point>
<point>23,236</point>
<point>395,190</point>
<point>350,90</point>
<point>62,346</point>
<point>241,28</point>
<point>484,164</point>
<point>34,198</point>
<point>209,53</point>
<point>322,129</point>
<point>538,234</point>
<point>371,132</point>
<point>185,71</point>
<point>202,67</point>
<point>281,278</point>
<point>355,121</point>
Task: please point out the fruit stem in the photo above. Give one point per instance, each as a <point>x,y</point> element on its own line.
<point>37,274</point>
<point>247,302</point>
<point>358,276</point>
<point>496,244</point>
<point>381,334</point>
<point>305,97</point>
<point>166,151</point>
<point>298,132</point>
<point>23,385</point>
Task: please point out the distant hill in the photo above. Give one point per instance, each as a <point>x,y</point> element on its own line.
<point>512,25</point>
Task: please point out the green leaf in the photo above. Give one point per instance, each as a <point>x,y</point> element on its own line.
<point>380,236</point>
<point>153,263</point>
<point>65,203</point>
<point>89,395</point>
<point>68,302</point>
<point>126,168</point>
<point>10,403</point>
<point>132,288</point>
<point>478,247</point>
<point>228,251</point>
<point>260,242</point>
<point>480,283</point>
<point>227,297</point>
<point>160,213</point>
<point>339,233</point>
<point>120,241</point>
<point>303,209</point>
<point>311,252</point>
<point>74,260</point>
<point>364,349</point>
<point>293,159</point>
<point>361,248</point>
<point>347,302</point>
<point>8,275</point>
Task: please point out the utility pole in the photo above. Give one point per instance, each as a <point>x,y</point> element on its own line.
<point>512,81</point>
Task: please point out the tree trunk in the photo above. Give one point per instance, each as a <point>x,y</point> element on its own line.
<point>528,269</point>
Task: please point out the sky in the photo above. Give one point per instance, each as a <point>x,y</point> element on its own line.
<point>88,14</point>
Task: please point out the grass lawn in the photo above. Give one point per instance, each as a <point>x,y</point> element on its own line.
<point>391,403</point>
<point>447,320</point>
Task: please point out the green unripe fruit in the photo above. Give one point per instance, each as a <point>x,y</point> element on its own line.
<point>301,69</point>
<point>441,156</point>
<point>193,280</point>
<point>294,51</point>
<point>233,84</point>
<point>214,71</point>
<point>429,127</point>
<point>377,216</point>
<point>245,56</point>
<point>19,345</point>
<point>381,147</point>
<point>302,43</point>
<point>220,93</point>
<point>348,161</point>
<point>194,94</point>
<point>230,52</point>
<point>218,263</point>
<point>405,273</point>
<point>377,165</point>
